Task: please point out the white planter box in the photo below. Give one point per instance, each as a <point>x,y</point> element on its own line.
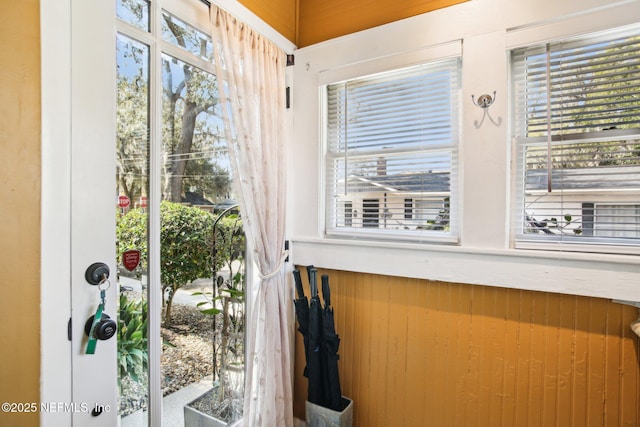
<point>319,416</point>
<point>195,418</point>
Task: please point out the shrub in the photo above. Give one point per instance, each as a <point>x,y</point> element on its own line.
<point>186,244</point>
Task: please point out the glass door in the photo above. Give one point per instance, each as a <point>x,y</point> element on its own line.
<point>180,245</point>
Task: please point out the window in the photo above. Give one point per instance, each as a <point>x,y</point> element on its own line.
<point>408,208</point>
<point>392,143</point>
<point>577,135</point>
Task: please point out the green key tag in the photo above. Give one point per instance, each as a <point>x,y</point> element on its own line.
<point>93,341</point>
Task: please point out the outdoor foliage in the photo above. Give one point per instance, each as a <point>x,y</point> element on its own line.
<point>442,220</point>
<point>193,150</point>
<point>185,242</point>
<point>186,248</point>
<point>131,233</point>
<point>132,338</point>
<point>227,306</point>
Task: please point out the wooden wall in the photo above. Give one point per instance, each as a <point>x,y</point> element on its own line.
<point>320,20</point>
<point>282,15</point>
<point>20,208</point>
<point>305,22</point>
<point>422,353</point>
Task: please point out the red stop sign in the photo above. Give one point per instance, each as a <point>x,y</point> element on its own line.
<point>143,201</point>
<point>123,201</point>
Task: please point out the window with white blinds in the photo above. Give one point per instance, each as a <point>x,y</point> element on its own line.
<point>577,131</point>
<point>392,143</point>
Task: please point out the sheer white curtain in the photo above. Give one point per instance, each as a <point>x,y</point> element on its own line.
<point>251,79</point>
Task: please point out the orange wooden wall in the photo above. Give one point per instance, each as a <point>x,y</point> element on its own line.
<point>422,353</point>
<point>305,22</point>
<point>20,208</point>
<point>320,20</point>
<point>282,15</point>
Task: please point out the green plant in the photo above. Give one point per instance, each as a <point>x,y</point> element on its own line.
<point>185,245</point>
<point>548,225</point>
<point>441,222</point>
<point>226,304</point>
<point>186,248</point>
<point>131,233</point>
<point>132,337</point>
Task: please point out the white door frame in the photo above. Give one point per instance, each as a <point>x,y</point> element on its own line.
<point>55,307</point>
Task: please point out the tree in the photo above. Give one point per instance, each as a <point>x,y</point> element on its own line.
<point>193,150</point>
<point>188,94</point>
<point>600,95</point>
<point>132,135</point>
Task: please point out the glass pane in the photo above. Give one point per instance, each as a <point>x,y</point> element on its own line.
<point>134,12</point>
<point>202,245</point>
<point>187,37</point>
<point>196,168</point>
<point>132,179</point>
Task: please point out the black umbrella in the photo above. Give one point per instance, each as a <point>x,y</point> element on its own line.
<point>321,342</point>
<point>330,342</point>
<point>314,351</point>
<point>302,313</point>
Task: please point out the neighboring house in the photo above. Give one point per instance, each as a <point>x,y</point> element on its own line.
<point>580,204</point>
<point>395,201</point>
<point>581,201</point>
<point>199,201</point>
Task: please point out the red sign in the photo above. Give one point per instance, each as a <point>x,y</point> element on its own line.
<point>143,201</point>
<point>123,201</point>
<point>131,259</point>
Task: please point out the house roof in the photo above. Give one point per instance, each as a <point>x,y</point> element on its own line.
<point>411,182</point>
<point>601,178</point>
<point>195,199</point>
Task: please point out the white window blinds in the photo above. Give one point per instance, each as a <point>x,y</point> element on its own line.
<point>577,131</point>
<point>391,156</point>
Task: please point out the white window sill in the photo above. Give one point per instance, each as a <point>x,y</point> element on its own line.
<point>587,274</point>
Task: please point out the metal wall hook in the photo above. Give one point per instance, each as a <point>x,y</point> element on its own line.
<point>485,101</point>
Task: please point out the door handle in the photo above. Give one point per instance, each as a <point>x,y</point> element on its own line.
<point>105,328</point>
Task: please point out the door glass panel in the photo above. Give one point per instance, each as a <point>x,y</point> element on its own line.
<point>196,168</point>
<point>134,12</point>
<point>203,324</point>
<point>202,244</point>
<point>132,179</point>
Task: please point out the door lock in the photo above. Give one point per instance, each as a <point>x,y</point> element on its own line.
<point>97,273</point>
<point>99,326</point>
<point>105,328</point>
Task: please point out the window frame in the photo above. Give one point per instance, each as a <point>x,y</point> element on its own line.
<point>432,55</point>
<point>585,242</point>
<point>485,255</point>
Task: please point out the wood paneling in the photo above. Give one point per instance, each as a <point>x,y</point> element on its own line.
<point>422,353</point>
<point>320,20</point>
<point>279,14</point>
<point>20,208</point>
<point>305,22</point>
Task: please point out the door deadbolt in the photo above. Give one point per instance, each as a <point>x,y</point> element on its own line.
<point>96,273</point>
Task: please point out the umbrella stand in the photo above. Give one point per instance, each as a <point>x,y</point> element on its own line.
<point>325,402</point>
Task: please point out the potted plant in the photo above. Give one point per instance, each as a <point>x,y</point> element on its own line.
<point>225,303</point>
